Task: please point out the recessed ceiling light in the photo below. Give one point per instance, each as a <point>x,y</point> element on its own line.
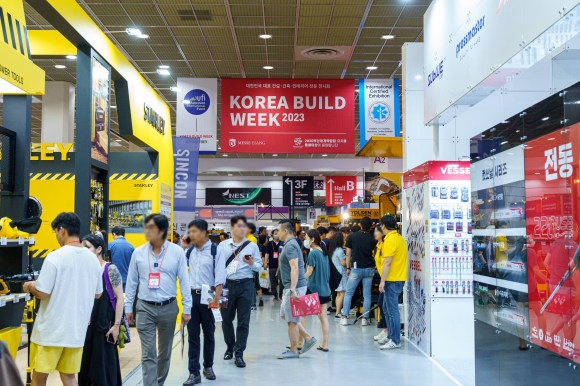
<point>275,174</point>
<point>133,31</point>
<point>143,36</point>
<point>265,36</point>
<point>224,155</point>
<point>274,155</point>
<point>505,121</point>
<point>230,174</point>
<point>537,173</point>
<point>172,88</point>
<point>356,90</point>
<point>268,68</point>
<point>388,37</point>
<point>164,66</point>
<point>545,118</point>
<point>118,140</point>
<point>71,57</point>
<point>163,71</point>
<point>325,155</point>
<point>372,67</point>
<point>417,77</point>
<point>59,66</point>
<point>504,142</point>
<point>113,107</point>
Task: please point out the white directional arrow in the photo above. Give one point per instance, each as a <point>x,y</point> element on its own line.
<point>330,182</point>
<point>289,182</point>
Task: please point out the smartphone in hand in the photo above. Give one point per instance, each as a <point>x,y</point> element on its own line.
<point>110,338</point>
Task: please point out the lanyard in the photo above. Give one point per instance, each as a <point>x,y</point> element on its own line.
<point>162,259</point>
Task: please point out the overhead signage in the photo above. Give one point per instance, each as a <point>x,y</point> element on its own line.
<point>18,74</point>
<point>197,111</point>
<point>185,163</point>
<point>323,219</point>
<point>153,118</point>
<point>379,108</point>
<point>437,170</point>
<point>380,183</point>
<point>238,196</point>
<point>318,184</point>
<point>298,191</point>
<point>227,213</point>
<point>505,167</point>
<point>340,190</point>
<point>287,116</point>
<point>357,214</point>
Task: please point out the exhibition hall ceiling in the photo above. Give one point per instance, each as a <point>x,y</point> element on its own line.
<point>220,39</point>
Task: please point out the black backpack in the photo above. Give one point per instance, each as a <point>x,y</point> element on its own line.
<point>335,276</point>
<point>214,248</point>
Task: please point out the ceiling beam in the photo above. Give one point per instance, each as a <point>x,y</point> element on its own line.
<point>234,36</point>
<point>361,25</point>
<point>296,18</point>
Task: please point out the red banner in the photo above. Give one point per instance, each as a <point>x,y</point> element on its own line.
<point>438,171</point>
<point>340,190</point>
<point>287,116</point>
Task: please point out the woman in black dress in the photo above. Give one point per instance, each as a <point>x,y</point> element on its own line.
<point>100,363</point>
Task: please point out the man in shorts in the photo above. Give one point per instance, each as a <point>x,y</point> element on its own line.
<point>294,280</point>
<point>68,284</point>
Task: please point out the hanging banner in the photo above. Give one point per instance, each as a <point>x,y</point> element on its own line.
<point>340,190</point>
<point>298,191</point>
<point>185,161</point>
<point>197,111</point>
<point>238,196</point>
<point>379,109</point>
<point>380,183</point>
<point>287,116</point>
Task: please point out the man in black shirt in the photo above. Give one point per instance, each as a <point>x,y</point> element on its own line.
<point>359,250</point>
<point>273,250</point>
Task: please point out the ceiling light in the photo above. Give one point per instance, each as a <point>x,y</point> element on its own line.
<point>113,107</point>
<point>172,88</point>
<point>118,140</point>
<point>265,36</point>
<point>274,155</point>
<point>388,37</point>
<point>551,139</point>
<point>537,173</point>
<point>133,31</point>
<point>164,66</point>
<point>268,68</point>
<point>275,174</point>
<point>59,66</point>
<point>163,71</point>
<point>224,155</point>
<point>504,142</point>
<point>325,155</point>
<point>143,36</point>
<point>230,174</point>
<point>320,175</point>
<point>71,57</point>
<point>545,118</point>
<point>417,77</point>
<point>372,67</point>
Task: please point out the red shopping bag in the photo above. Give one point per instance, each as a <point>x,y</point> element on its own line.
<point>308,305</point>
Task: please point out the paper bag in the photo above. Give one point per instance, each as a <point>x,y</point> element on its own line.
<point>308,305</point>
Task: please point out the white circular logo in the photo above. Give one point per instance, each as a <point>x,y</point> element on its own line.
<point>379,112</point>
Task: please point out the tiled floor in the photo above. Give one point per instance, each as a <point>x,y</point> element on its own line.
<point>353,358</point>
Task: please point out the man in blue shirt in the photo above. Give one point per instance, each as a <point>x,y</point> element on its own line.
<point>122,251</point>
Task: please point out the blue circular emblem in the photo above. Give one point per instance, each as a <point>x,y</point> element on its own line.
<point>196,102</point>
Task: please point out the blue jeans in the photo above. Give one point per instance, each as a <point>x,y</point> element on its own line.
<point>391,303</point>
<point>355,277</point>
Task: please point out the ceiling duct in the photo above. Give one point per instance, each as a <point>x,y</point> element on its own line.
<point>322,53</point>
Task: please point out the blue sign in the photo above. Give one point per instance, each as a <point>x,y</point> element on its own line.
<point>379,109</point>
<point>185,158</point>
<point>196,102</point>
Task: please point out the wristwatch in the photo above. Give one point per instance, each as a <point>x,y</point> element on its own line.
<point>292,291</point>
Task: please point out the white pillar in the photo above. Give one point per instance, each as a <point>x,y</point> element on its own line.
<point>58,113</point>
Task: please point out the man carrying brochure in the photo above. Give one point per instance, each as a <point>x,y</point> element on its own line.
<point>207,268</point>
<point>294,280</point>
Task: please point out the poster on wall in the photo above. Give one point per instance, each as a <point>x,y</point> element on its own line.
<point>340,190</point>
<point>129,214</point>
<point>197,111</point>
<point>238,196</point>
<point>380,183</point>
<point>101,83</point>
<point>287,116</point>
<point>379,109</point>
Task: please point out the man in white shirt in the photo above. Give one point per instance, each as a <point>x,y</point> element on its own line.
<point>68,284</point>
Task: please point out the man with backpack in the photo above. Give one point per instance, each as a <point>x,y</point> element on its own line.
<point>206,266</point>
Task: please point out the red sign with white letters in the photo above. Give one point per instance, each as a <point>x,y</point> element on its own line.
<point>437,171</point>
<point>287,116</point>
<point>340,190</point>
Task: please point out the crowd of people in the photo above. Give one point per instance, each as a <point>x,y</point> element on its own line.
<point>86,299</point>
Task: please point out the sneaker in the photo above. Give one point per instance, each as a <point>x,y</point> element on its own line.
<point>390,345</point>
<point>344,321</point>
<point>308,345</point>
<point>337,316</point>
<point>288,355</point>
<point>261,304</point>
<point>383,340</point>
<point>364,322</point>
<point>381,335</point>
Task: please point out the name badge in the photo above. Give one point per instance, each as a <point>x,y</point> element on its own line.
<point>275,255</point>
<point>233,267</point>
<point>154,280</point>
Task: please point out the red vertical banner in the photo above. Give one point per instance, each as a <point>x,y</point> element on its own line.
<point>340,190</point>
<point>551,189</point>
<point>287,116</point>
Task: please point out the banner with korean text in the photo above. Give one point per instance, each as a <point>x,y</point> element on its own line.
<point>287,116</point>
<point>197,111</point>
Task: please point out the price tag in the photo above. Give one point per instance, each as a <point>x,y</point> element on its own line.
<point>3,241</point>
<point>31,240</point>
<point>16,299</point>
<point>2,302</point>
<point>27,297</point>
<point>20,241</point>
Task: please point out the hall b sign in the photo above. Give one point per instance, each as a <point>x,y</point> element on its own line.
<point>340,190</point>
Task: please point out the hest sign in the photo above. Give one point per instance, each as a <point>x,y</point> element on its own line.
<point>287,116</point>
<point>340,190</point>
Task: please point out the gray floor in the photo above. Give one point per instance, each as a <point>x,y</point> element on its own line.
<point>353,357</point>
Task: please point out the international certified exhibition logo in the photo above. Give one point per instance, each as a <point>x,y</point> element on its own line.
<point>196,102</point>
<point>232,142</point>
<point>379,112</point>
